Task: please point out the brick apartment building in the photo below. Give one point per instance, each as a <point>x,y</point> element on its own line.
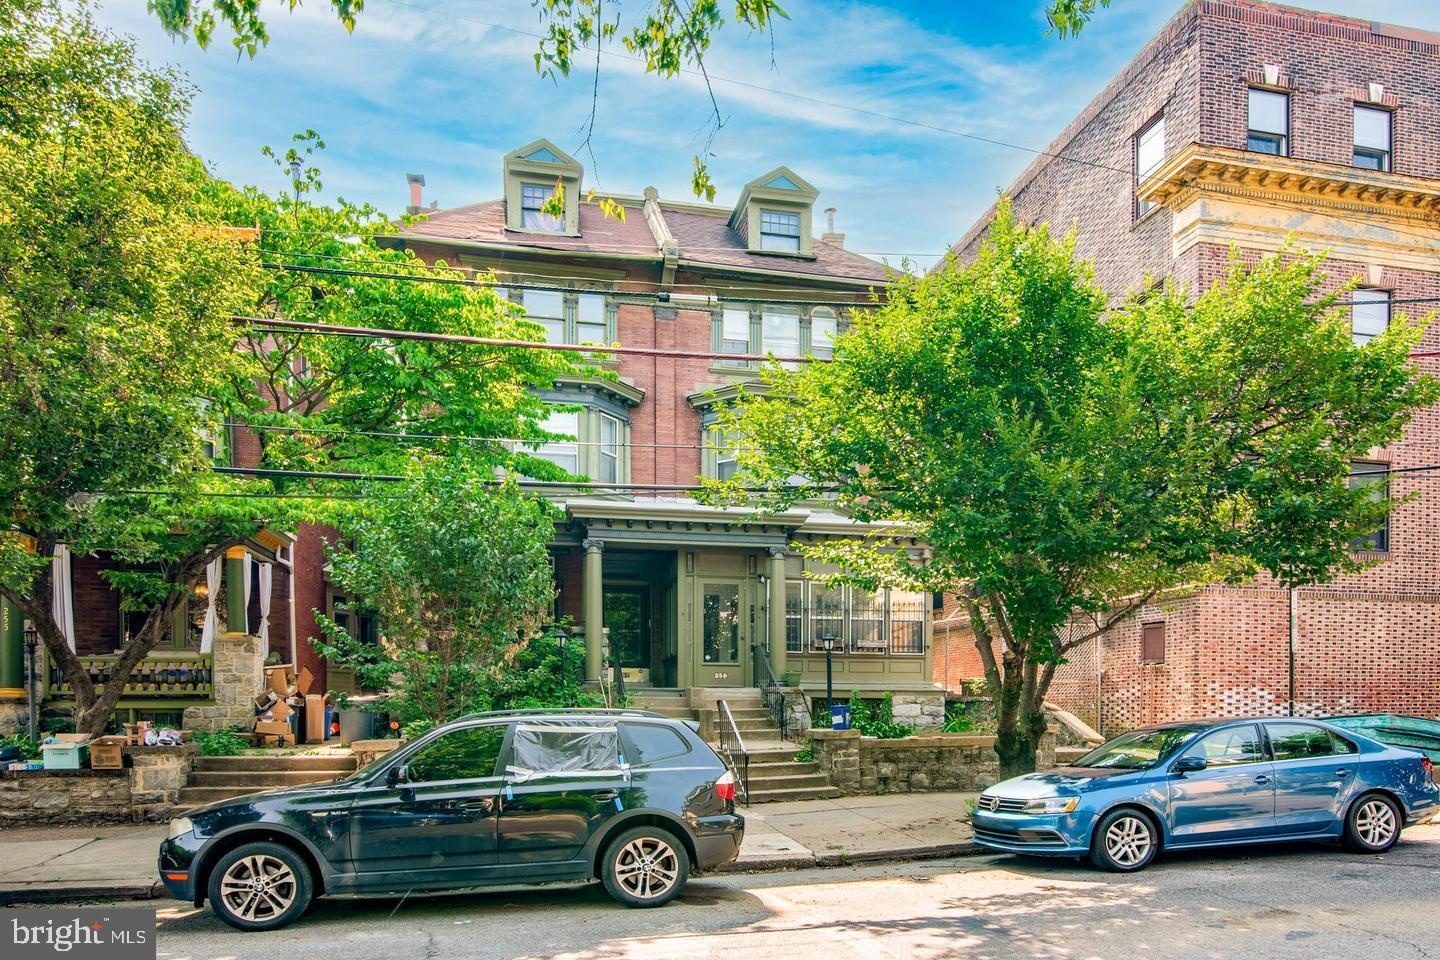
<point>1241,124</point>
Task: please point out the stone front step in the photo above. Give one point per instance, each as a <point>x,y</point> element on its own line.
<point>803,793</point>
<point>1064,755</point>
<point>769,784</point>
<point>275,763</point>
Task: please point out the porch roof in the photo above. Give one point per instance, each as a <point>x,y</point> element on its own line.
<point>689,515</point>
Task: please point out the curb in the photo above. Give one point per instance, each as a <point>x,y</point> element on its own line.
<point>938,851</point>
<point>68,893</point>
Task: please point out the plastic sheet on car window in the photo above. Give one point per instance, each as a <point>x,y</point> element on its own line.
<point>564,750</point>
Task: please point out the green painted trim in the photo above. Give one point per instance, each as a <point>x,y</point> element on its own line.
<point>12,646</point>
<point>235,594</point>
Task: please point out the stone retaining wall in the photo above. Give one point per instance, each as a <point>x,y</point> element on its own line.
<point>145,790</point>
<point>964,762</point>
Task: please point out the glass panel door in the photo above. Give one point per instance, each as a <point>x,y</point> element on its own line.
<point>723,634</point>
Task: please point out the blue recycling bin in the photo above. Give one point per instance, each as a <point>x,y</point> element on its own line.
<point>840,716</point>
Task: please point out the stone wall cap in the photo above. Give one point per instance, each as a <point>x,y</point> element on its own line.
<point>60,774</point>
<point>820,733</point>
<point>185,750</point>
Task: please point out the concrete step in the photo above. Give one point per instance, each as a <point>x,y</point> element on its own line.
<point>815,781</point>
<point>780,768</point>
<point>339,763</point>
<point>803,793</point>
<point>261,779</point>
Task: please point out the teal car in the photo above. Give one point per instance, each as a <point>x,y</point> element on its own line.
<point>1212,783</point>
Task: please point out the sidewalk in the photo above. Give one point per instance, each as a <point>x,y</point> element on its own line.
<point>61,864</point>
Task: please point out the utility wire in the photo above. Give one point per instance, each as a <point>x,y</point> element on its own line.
<point>461,438</point>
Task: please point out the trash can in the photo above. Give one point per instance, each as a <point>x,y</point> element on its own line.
<point>356,725</point>
<point>840,716</point>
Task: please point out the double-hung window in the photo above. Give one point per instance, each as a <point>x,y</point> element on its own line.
<point>794,617</point>
<point>609,448</point>
<point>547,308</point>
<point>1374,134</point>
<point>1269,126</point>
<point>1149,154</point>
<point>1374,479</point>
<point>1369,314</point>
<point>780,333</point>
<point>565,454</point>
<point>735,331</point>
<point>533,198</point>
<point>591,325</point>
<point>567,317</point>
<point>824,326</point>
<point>907,622</point>
<point>867,621</point>
<point>779,231</point>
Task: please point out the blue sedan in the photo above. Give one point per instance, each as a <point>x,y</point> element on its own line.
<point>1211,783</point>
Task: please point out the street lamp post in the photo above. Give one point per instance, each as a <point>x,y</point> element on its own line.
<point>560,638</point>
<point>32,638</point>
<point>827,643</point>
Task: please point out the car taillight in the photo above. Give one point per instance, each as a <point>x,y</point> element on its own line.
<point>725,786</point>
<point>1429,767</point>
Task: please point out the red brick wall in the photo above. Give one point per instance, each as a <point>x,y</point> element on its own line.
<point>1364,642</point>
<point>310,596</point>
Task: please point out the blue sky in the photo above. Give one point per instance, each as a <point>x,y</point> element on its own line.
<point>435,87</point>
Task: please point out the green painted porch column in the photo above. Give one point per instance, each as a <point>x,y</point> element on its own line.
<point>12,651</point>
<point>777,612</point>
<point>235,559</point>
<point>592,603</point>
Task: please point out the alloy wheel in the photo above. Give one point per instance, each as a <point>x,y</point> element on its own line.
<point>1375,823</point>
<point>1128,841</point>
<point>647,867</point>
<point>258,888</point>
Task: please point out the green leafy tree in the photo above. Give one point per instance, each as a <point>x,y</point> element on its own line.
<point>1069,17</point>
<point>456,569</point>
<point>117,282</point>
<point>670,36</point>
<point>1067,464</point>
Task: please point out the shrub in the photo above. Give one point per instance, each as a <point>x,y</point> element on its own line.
<point>29,749</point>
<point>877,721</point>
<point>221,743</point>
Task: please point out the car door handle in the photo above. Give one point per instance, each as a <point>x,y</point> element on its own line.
<point>1343,771</point>
<point>1262,779</point>
<point>604,796</point>
<point>482,803</point>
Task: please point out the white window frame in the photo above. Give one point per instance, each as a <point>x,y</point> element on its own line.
<point>532,215</point>
<point>1362,298</point>
<point>781,240</point>
<point>1147,159</point>
<point>1383,155</point>
<point>1250,129</point>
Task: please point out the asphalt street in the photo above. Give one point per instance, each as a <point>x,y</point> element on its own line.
<point>1310,901</point>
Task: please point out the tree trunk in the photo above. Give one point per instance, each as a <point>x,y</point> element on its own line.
<point>1018,691</point>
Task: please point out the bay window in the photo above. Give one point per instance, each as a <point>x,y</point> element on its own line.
<point>863,622</point>
<point>565,454</point>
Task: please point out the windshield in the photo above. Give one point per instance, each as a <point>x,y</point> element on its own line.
<point>1139,750</point>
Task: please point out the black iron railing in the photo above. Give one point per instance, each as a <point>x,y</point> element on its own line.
<point>778,698</point>
<point>733,751</point>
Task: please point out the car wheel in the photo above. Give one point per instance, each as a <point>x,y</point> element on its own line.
<point>1124,841</point>
<point>1372,825</point>
<point>645,867</point>
<point>260,886</point>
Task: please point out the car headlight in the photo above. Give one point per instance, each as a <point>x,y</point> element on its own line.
<point>180,826</point>
<point>1052,805</point>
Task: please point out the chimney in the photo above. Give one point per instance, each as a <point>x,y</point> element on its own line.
<point>830,236</point>
<point>416,181</point>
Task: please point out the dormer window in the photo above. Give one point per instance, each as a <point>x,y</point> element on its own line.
<point>779,231</point>
<point>533,198</point>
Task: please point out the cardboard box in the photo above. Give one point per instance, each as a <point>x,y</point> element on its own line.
<point>64,751</point>
<point>107,753</point>
<point>307,680</point>
<point>274,733</point>
<point>135,733</point>
<point>281,679</point>
<point>315,704</point>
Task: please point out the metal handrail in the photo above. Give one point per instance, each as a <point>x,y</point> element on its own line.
<point>731,745</point>
<point>772,692</point>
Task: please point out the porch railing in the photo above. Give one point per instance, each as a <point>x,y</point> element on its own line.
<point>777,697</point>
<point>732,749</point>
<point>184,675</point>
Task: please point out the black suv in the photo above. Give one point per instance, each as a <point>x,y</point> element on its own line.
<point>631,797</point>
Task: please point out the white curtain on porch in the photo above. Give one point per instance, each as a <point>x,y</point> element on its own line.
<point>245,579</point>
<point>212,587</point>
<point>266,573</point>
<point>62,593</point>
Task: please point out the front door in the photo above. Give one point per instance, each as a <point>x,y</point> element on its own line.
<point>436,826</point>
<point>724,622</point>
<point>627,615</point>
<point>1233,797</point>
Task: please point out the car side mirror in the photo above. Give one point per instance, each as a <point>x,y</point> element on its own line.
<point>394,776</point>
<point>1189,765</point>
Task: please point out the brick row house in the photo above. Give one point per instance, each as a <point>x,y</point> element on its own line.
<point>1244,124</point>
<point>686,596</point>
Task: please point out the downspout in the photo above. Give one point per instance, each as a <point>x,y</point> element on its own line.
<point>1290,643</point>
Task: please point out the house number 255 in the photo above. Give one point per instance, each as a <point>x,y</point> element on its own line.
<point>721,675</point>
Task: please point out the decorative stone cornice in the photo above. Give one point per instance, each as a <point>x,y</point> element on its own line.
<point>1198,169</point>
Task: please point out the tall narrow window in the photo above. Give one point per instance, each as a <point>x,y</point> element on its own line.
<point>780,333</point>
<point>565,454</point>
<point>1269,122</point>
<point>823,327</point>
<point>590,325</point>
<point>609,449</point>
<point>735,331</point>
<point>779,231</point>
<point>725,465</point>
<point>794,617</point>
<point>867,621</point>
<point>907,622</point>
<point>547,308</point>
<point>533,197</point>
<point>1373,136</point>
<point>1374,479</point>
<point>1369,314</point>
<point>827,616</point>
<point>1149,154</point>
